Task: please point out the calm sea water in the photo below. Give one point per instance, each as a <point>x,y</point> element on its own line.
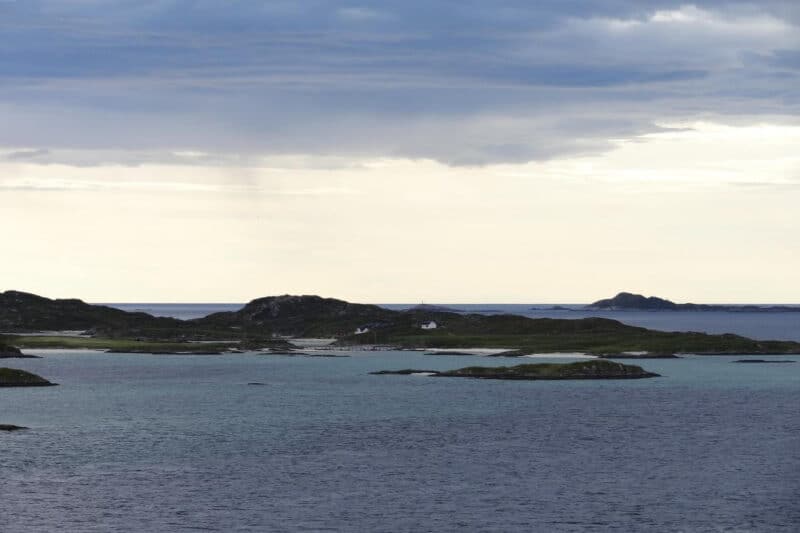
<point>180,443</point>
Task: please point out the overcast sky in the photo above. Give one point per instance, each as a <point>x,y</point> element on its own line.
<point>398,151</point>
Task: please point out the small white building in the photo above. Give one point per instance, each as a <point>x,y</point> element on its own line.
<point>361,331</point>
<point>429,325</point>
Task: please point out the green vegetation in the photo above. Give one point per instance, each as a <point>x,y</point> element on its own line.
<point>590,335</point>
<point>121,345</point>
<point>595,369</point>
<point>12,377</point>
<point>605,343</point>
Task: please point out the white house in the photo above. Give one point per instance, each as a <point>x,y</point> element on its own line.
<point>429,325</point>
<point>360,331</point>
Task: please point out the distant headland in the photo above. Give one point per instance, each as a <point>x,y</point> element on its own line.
<point>626,301</point>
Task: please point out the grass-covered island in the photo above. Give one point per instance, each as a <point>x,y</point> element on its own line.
<point>268,323</point>
<point>595,369</point>
<point>12,377</point>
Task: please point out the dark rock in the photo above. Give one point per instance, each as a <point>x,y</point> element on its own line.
<point>285,352</point>
<point>406,372</point>
<point>763,361</point>
<point>11,352</point>
<point>10,427</point>
<point>165,352</point>
<point>12,377</point>
<point>509,353</point>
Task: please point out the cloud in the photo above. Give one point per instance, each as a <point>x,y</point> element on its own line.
<point>27,155</point>
<point>464,83</point>
<point>359,14</point>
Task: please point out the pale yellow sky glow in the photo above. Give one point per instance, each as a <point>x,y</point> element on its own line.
<point>707,213</point>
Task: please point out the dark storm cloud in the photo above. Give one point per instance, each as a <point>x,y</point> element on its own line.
<point>463,82</point>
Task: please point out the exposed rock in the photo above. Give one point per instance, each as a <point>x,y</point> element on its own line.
<point>595,369</point>
<point>405,372</point>
<point>763,361</point>
<point>164,352</point>
<point>10,427</point>
<point>12,377</point>
<point>449,352</point>
<point>10,352</point>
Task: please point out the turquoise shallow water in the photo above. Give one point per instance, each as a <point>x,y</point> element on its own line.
<point>173,443</point>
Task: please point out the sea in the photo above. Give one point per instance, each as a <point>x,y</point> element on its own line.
<point>251,442</point>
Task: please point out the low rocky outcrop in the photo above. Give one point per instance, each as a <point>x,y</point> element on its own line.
<point>594,369</point>
<point>11,352</point>
<point>12,377</point>
<point>764,361</point>
<point>637,355</point>
<point>10,427</point>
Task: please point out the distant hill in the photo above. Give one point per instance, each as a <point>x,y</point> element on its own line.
<point>299,316</point>
<point>626,301</point>
<point>432,307</point>
<point>22,312</point>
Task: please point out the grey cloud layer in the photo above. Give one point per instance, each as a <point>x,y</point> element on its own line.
<point>462,82</point>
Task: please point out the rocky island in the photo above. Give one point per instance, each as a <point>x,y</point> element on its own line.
<point>268,324</point>
<point>10,427</point>
<point>626,301</point>
<point>12,377</point>
<point>595,369</point>
<point>12,352</point>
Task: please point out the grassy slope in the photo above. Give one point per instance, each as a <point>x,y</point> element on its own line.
<point>117,344</point>
<point>599,336</point>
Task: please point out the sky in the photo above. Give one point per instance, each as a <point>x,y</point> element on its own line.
<point>444,151</point>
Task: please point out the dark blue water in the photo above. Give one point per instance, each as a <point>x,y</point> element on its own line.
<point>765,326</point>
<point>174,443</point>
